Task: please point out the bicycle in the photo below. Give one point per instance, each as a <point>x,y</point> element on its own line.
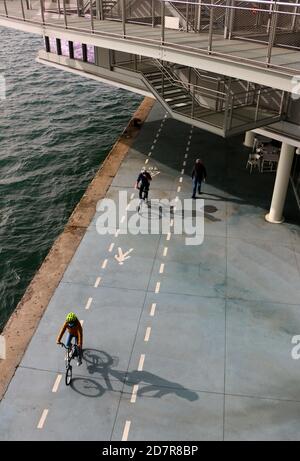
<point>72,352</point>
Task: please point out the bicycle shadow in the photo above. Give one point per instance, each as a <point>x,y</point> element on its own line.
<point>101,363</point>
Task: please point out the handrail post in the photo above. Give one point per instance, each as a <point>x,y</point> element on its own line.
<point>78,9</point>
<point>187,16</point>
<point>58,6</point>
<point>101,10</point>
<point>293,25</point>
<point>92,15</point>
<point>272,33</point>
<point>153,13</point>
<point>231,19</point>
<point>226,110</point>
<point>227,18</point>
<point>65,14</point>
<point>162,22</point>
<point>211,23</point>
<point>282,99</point>
<point>198,27</point>
<point>5,7</point>
<point>124,18</point>
<point>98,16</point>
<point>22,8</point>
<point>257,105</point>
<point>42,11</point>
<point>193,101</point>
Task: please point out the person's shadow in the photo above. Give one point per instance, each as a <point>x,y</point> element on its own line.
<point>101,363</point>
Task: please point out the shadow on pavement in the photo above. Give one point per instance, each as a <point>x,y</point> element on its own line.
<point>101,363</point>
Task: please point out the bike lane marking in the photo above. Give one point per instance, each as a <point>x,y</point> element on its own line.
<point>43,419</point>
<point>141,362</point>
<point>98,280</point>
<point>152,311</point>
<point>134,393</point>
<point>104,264</point>
<point>88,304</point>
<point>111,247</point>
<point>147,334</point>
<point>57,383</point>
<point>126,431</point>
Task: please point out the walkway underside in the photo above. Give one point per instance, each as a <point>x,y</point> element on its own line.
<point>236,58</point>
<point>181,342</point>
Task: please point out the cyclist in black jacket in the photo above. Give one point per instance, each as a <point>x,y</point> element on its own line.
<point>143,184</point>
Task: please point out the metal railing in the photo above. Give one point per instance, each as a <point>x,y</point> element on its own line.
<point>266,24</point>
<point>239,109</point>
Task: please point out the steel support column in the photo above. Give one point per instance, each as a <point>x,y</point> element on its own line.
<point>281,184</point>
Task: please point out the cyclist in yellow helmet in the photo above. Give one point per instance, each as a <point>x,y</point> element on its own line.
<point>74,329</point>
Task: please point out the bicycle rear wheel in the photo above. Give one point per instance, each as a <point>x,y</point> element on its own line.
<point>68,377</point>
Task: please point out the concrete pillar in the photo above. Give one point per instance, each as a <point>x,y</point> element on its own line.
<point>281,184</point>
<point>249,139</point>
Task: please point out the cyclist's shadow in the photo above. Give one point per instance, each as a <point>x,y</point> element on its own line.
<point>102,363</point>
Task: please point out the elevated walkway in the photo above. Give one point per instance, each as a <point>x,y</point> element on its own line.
<point>234,58</point>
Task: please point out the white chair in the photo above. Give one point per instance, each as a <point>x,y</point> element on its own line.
<point>253,161</point>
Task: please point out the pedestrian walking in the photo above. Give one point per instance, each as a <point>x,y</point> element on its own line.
<point>198,175</point>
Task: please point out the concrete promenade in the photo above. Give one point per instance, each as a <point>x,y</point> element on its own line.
<point>181,342</point>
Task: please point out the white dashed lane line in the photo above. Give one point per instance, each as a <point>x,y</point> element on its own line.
<point>111,247</point>
<point>57,383</point>
<point>162,268</point>
<point>134,393</point>
<point>152,311</point>
<point>168,236</point>
<point>147,334</point>
<point>88,304</point>
<point>157,288</point>
<point>104,264</point>
<point>141,362</point>
<point>98,280</point>
<point>165,251</point>
<point>43,419</point>
<point>126,431</point>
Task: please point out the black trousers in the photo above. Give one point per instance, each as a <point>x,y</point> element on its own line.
<point>143,192</point>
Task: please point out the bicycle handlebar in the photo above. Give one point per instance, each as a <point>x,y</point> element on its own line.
<point>63,345</point>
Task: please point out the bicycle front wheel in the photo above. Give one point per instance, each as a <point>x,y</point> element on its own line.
<point>68,377</point>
